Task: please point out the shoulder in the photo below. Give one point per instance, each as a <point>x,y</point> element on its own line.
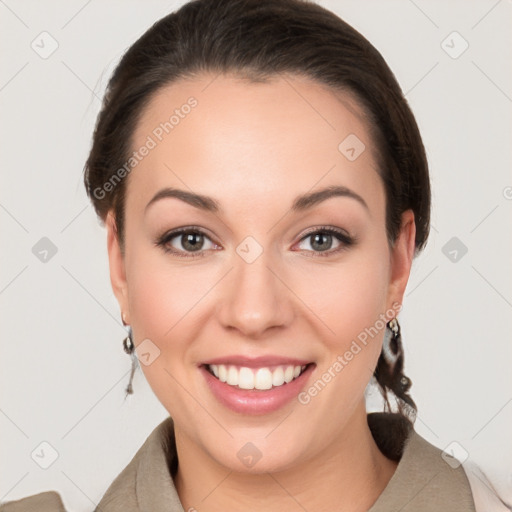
<point>49,501</point>
<point>464,481</point>
<point>484,492</point>
<point>427,479</point>
<point>144,484</point>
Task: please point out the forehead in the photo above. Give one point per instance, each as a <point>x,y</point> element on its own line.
<point>221,135</point>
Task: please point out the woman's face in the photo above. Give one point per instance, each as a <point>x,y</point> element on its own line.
<point>271,273</point>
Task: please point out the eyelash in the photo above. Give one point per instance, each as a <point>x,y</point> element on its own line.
<point>346,241</point>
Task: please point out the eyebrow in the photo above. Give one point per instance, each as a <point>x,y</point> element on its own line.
<point>300,203</point>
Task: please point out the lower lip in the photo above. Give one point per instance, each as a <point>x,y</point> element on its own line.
<point>255,401</point>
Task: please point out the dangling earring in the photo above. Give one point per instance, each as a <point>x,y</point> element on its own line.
<point>129,348</point>
<point>391,342</point>
<point>389,371</point>
<point>128,343</point>
<point>393,351</point>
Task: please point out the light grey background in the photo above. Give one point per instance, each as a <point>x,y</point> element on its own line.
<point>63,371</point>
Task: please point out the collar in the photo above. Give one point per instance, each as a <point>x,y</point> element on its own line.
<point>423,480</point>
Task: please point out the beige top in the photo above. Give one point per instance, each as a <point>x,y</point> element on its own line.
<point>423,481</point>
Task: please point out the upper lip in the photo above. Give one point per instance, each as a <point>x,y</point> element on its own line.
<point>257,362</point>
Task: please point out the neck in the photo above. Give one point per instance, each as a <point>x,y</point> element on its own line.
<point>350,474</point>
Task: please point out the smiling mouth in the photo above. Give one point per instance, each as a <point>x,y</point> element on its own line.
<point>261,379</point>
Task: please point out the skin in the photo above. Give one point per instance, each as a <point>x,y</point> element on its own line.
<point>254,147</point>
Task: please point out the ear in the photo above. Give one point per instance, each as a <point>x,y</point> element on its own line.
<point>401,257</point>
<point>117,266</point>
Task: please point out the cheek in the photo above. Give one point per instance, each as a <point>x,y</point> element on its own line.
<point>347,297</point>
<point>158,300</point>
<point>162,301</point>
<point>350,300</point>
<point>161,294</point>
<point>168,305</point>
<point>353,308</point>
<point>337,304</point>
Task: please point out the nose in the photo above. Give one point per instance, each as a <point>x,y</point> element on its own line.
<point>255,299</point>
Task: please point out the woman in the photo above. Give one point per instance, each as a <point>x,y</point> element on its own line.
<point>265,189</point>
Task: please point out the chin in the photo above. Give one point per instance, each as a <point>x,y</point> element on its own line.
<point>258,454</point>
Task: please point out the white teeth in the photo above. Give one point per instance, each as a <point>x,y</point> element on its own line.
<point>288,374</point>
<point>246,378</point>
<point>278,377</point>
<point>232,378</point>
<point>261,378</point>
<point>223,373</point>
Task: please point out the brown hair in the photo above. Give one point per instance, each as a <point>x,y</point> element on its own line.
<point>259,39</point>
